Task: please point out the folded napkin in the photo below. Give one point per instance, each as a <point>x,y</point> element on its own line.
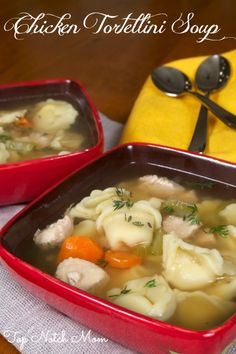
<point>157,118</point>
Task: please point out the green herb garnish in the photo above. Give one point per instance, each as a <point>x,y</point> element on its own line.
<point>123,201</point>
<point>123,292</point>
<point>129,218</point>
<point>149,225</point>
<point>168,209</point>
<point>118,204</point>
<point>4,137</point>
<point>119,192</point>
<point>151,284</point>
<point>102,263</point>
<point>193,218</point>
<point>220,230</point>
<point>137,223</point>
<point>129,203</point>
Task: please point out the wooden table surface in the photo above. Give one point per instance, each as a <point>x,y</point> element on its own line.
<point>112,67</point>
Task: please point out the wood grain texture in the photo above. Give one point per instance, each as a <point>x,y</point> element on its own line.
<point>112,67</point>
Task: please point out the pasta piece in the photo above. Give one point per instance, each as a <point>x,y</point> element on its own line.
<point>53,235</point>
<point>197,310</point>
<point>129,226</point>
<point>4,153</point>
<point>229,214</point>
<point>82,274</point>
<point>150,296</point>
<point>86,228</point>
<point>189,267</point>
<point>66,140</point>
<point>7,117</point>
<point>228,244</point>
<point>52,115</point>
<point>87,207</point>
<point>224,288</point>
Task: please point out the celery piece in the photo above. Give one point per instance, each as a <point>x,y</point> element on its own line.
<point>156,247</point>
<point>19,146</point>
<point>4,138</point>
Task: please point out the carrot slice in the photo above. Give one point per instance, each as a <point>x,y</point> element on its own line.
<point>23,122</point>
<point>122,260</point>
<point>80,247</point>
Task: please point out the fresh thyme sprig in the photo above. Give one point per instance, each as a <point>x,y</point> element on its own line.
<point>123,201</point>
<point>220,230</point>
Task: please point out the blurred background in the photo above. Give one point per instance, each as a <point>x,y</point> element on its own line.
<point>112,67</point>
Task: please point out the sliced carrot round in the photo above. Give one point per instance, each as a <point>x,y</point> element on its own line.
<point>122,260</point>
<point>80,247</point>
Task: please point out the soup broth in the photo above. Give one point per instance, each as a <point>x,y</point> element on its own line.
<point>41,129</point>
<point>165,249</point>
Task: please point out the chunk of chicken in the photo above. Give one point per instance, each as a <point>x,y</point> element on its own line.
<point>82,274</point>
<point>54,234</point>
<point>182,228</point>
<point>162,187</point>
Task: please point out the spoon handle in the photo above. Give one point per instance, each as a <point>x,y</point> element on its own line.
<point>225,116</point>
<point>198,142</point>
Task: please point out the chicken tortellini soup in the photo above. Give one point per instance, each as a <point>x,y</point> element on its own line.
<point>150,245</point>
<point>50,127</point>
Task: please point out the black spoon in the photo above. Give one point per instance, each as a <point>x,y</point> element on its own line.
<point>174,82</point>
<point>212,74</point>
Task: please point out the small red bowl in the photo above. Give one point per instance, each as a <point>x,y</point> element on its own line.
<point>136,331</point>
<point>23,181</point>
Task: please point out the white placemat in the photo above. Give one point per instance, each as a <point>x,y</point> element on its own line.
<point>31,325</point>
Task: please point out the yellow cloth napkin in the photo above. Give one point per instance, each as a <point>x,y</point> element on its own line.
<point>157,118</point>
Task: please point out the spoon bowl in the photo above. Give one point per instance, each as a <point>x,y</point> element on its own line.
<point>213,73</point>
<point>170,80</point>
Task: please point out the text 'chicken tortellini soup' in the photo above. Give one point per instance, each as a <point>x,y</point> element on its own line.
<point>162,248</point>
<point>46,128</point>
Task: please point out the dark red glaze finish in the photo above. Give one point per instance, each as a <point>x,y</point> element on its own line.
<point>136,331</point>
<point>23,181</point>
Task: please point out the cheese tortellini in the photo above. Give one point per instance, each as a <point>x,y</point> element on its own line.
<point>87,207</point>
<point>150,296</point>
<point>189,267</point>
<point>229,214</point>
<point>53,115</point>
<point>129,226</point>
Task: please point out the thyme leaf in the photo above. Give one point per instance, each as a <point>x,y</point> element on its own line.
<point>149,225</point>
<point>151,284</point>
<point>129,218</point>
<point>102,263</point>
<point>123,292</point>
<point>137,223</point>
<point>118,204</point>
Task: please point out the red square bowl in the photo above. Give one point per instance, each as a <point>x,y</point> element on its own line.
<point>136,331</point>
<point>23,181</point>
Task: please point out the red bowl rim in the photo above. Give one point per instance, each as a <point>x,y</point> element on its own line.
<point>40,160</point>
<point>62,289</point>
